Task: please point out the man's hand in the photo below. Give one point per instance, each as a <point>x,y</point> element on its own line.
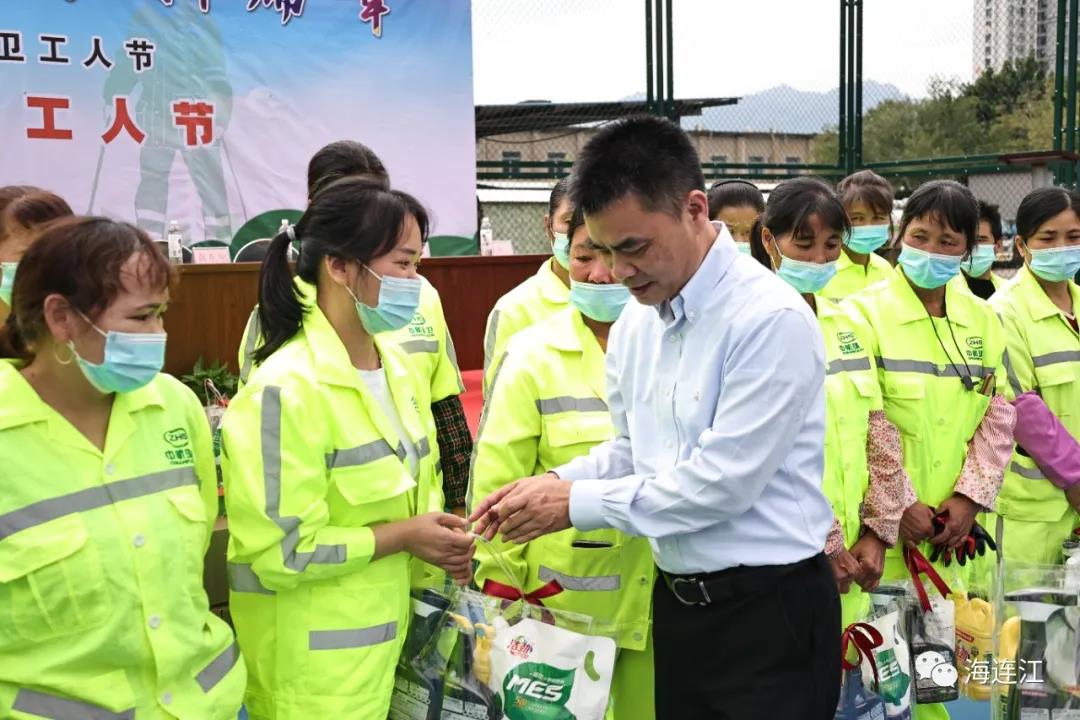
<point>961,516</point>
<point>845,569</point>
<point>524,510</point>
<point>869,551</point>
<point>917,523</point>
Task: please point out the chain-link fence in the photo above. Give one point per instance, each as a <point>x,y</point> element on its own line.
<point>976,91</point>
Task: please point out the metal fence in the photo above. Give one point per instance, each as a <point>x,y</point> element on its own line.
<point>984,92</point>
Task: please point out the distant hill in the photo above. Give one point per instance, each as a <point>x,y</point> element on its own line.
<point>785,109</point>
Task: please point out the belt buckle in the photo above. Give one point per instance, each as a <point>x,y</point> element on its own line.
<point>692,582</point>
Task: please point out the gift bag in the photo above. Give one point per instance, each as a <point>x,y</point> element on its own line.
<point>932,634</point>
<point>857,702</point>
<point>889,673</point>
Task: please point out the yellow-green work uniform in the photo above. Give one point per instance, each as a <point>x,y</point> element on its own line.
<point>851,394</point>
<point>920,380</point>
<point>851,278</point>
<point>311,462</point>
<point>101,562</point>
<point>545,407</point>
<point>1044,356</point>
<point>539,297</point>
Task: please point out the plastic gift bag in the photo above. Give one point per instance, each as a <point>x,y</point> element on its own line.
<point>932,634</point>
<point>890,672</point>
<point>857,702</point>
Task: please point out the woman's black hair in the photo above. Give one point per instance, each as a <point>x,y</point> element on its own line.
<point>734,193</point>
<point>868,188</point>
<point>791,203</point>
<point>1040,205</point>
<point>340,159</point>
<point>560,191</point>
<point>948,201</point>
<point>576,221</point>
<point>354,218</point>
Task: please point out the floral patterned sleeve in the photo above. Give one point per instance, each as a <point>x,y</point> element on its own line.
<point>834,542</point>
<point>988,454</point>
<point>890,492</point>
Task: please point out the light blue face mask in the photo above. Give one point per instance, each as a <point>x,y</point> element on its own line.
<point>602,303</point>
<point>806,277</point>
<point>131,360</point>
<point>7,281</point>
<point>743,247</point>
<point>928,270</point>
<point>982,258</point>
<point>1056,264</point>
<point>561,249</point>
<point>398,300</point>
<point>865,239</point>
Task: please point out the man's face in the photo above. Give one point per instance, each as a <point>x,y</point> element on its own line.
<point>652,252</point>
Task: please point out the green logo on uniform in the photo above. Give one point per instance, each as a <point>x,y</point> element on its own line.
<point>849,343</point>
<point>535,691</point>
<point>419,327</point>
<point>975,343</point>
<point>177,438</point>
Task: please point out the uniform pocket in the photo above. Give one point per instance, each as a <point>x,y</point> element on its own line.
<point>377,492</point>
<point>903,398</point>
<point>53,580</point>
<point>577,429</point>
<point>590,574</point>
<point>104,697</point>
<point>192,527</point>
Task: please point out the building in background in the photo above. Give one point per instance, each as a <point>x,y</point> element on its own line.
<point>1004,30</point>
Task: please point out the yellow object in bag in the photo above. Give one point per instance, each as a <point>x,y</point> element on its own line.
<point>974,644</point>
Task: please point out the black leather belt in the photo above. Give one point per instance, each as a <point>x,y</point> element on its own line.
<point>703,589</point>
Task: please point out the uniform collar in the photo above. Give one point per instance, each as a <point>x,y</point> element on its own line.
<point>567,332</point>
<point>1039,303</point>
<point>909,307</point>
<point>844,262</point>
<point>827,307</point>
<point>551,287</point>
<point>692,300</point>
<point>328,353</point>
<point>22,405</point>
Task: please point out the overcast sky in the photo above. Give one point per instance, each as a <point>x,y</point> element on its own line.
<point>578,50</point>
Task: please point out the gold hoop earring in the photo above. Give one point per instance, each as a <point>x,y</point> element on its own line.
<point>58,359</point>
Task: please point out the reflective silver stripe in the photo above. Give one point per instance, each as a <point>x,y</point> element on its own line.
<point>853,365</point>
<point>33,702</point>
<point>1029,473</point>
<point>95,497</point>
<point>270,439</point>
<point>343,639</point>
<point>1014,382</point>
<point>928,368</point>
<point>551,406</point>
<point>359,455</point>
<point>242,578</point>
<point>480,430</point>
<point>452,354</point>
<point>580,583</point>
<point>218,668</point>
<point>1054,358</point>
<point>423,448</point>
<point>252,332</point>
<point>420,346</point>
<point>489,340</point>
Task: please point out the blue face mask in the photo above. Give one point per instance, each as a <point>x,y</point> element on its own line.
<point>398,300</point>
<point>561,249</point>
<point>867,238</point>
<point>602,303</point>
<point>743,247</point>
<point>806,277</point>
<point>7,281</point>
<point>131,361</point>
<point>1056,264</point>
<point>928,270</point>
<point>982,258</point>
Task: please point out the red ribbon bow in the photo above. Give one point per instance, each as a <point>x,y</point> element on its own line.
<point>918,564</point>
<point>507,592</point>
<point>864,638</point>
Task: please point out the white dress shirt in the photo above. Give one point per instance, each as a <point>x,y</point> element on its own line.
<point>718,402</point>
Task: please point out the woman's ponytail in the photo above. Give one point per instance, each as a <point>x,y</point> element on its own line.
<point>280,308</point>
<point>757,245</point>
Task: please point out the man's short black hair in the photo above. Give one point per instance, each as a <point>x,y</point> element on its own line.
<point>992,215</point>
<point>646,155</point>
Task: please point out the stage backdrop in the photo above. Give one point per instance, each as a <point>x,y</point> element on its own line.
<point>207,111</point>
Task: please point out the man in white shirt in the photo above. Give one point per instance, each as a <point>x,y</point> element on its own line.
<point>716,389</point>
